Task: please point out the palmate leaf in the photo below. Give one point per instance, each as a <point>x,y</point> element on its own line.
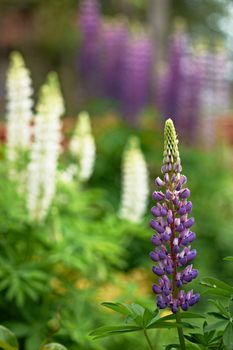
<point>106,331</point>
<point>177,346</point>
<point>228,336</point>
<point>216,325</point>
<point>146,318</point>
<point>216,287</point>
<point>19,282</point>
<point>117,307</point>
<point>8,340</point>
<point>218,315</point>
<point>228,258</point>
<point>150,317</point>
<point>208,339</point>
<point>221,308</point>
<point>53,346</point>
<point>183,315</point>
<point>136,313</point>
<point>168,325</point>
<point>197,339</point>
<point>230,307</point>
<point>138,318</point>
<point>217,292</point>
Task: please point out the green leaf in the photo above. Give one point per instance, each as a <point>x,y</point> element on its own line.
<point>8,340</point>
<point>148,322</point>
<point>231,307</point>
<point>118,307</point>
<point>218,292</point>
<point>137,309</point>
<point>215,283</point>
<point>18,328</point>
<point>196,338</point>
<point>215,326</point>
<point>161,324</point>
<point>53,346</point>
<point>228,336</point>
<point>164,324</point>
<point>228,258</point>
<point>105,331</point>
<point>220,307</point>
<point>218,315</point>
<point>137,312</point>
<point>183,315</point>
<point>177,346</point>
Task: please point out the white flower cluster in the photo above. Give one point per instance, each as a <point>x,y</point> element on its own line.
<point>45,150</point>
<point>82,146</point>
<point>135,184</point>
<point>19,107</point>
<point>67,175</point>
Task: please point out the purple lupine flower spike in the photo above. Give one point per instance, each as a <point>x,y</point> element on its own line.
<point>136,77</point>
<point>172,253</point>
<point>89,21</point>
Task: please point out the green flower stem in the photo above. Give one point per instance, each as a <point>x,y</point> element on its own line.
<point>148,340</point>
<point>180,332</point>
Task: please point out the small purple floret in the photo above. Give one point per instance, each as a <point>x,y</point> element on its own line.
<point>185,193</point>
<point>158,196</point>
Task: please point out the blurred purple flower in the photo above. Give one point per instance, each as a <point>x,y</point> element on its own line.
<point>178,91</point>
<point>90,25</point>
<point>114,37</point>
<point>136,78</point>
<point>214,88</point>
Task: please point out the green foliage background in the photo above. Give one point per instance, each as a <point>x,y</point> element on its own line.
<point>54,275</point>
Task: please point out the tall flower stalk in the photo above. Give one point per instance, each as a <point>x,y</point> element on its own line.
<point>42,167</point>
<point>179,87</point>
<point>173,236</point>
<point>90,25</point>
<point>19,107</point>
<point>135,187</point>
<point>82,147</point>
<point>114,38</point>
<point>136,77</point>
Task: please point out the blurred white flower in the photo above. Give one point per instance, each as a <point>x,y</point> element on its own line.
<point>67,176</point>
<point>82,146</point>
<point>19,107</point>
<point>45,151</point>
<point>135,183</point>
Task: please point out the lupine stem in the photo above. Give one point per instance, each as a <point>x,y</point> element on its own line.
<point>180,332</point>
<point>148,340</point>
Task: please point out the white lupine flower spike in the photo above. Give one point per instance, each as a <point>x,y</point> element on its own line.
<point>19,107</point>
<point>135,182</point>
<point>45,151</point>
<point>82,146</point>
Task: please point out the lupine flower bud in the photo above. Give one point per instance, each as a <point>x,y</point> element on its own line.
<point>19,107</point>
<point>135,187</point>
<point>172,237</point>
<point>82,147</point>
<point>45,149</point>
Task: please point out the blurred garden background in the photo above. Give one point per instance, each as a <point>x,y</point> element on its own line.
<point>85,88</point>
